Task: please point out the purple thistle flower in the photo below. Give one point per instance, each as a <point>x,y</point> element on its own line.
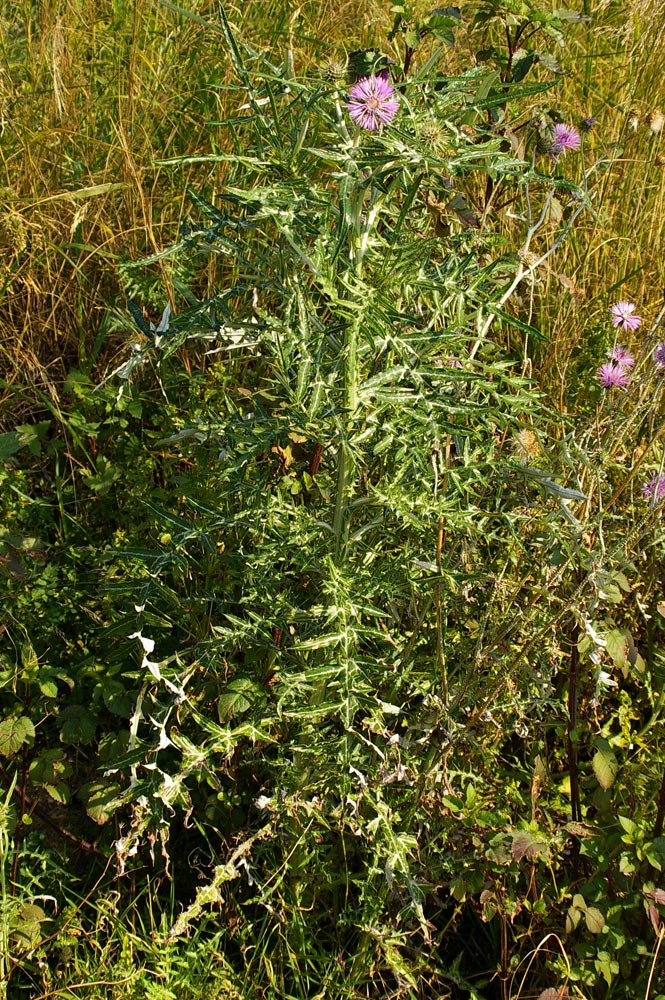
<point>372,102</point>
<point>587,124</point>
<point>565,137</point>
<point>621,356</point>
<point>653,490</point>
<point>622,315</point>
<point>659,357</point>
<point>613,376</point>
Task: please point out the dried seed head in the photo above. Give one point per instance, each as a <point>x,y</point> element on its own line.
<point>525,444</point>
<point>655,120</point>
<point>528,259</point>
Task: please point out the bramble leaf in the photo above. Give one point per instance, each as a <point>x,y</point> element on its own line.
<point>14,733</point>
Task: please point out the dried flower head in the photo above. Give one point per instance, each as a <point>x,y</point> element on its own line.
<point>624,316</point>
<point>372,102</point>
<point>655,121</point>
<point>526,444</point>
<point>653,490</point>
<point>634,119</point>
<point>613,376</point>
<point>528,258</point>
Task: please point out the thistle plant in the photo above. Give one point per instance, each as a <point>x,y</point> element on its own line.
<point>362,485</point>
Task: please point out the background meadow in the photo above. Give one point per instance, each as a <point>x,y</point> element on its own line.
<point>332,658</point>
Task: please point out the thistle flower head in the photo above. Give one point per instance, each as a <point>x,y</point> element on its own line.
<point>659,357</point>
<point>624,316</point>
<point>621,356</point>
<point>587,124</point>
<point>372,102</point>
<point>565,137</point>
<point>653,490</point>
<point>612,376</point>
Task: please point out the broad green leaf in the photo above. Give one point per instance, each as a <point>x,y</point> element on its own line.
<point>102,799</point>
<point>527,844</point>
<point>26,927</point>
<point>77,725</point>
<point>59,793</point>
<point>117,699</point>
<point>47,685</point>
<point>617,647</point>
<point>10,443</point>
<point>628,825</point>
<point>605,765</point>
<point>239,698</point>
<point>50,769</point>
<point>14,733</point>
<point>595,920</point>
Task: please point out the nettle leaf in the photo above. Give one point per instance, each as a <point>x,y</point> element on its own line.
<point>14,733</point>
<point>522,63</point>
<point>605,765</point>
<point>117,699</point>
<point>10,443</point>
<point>26,927</point>
<point>60,793</point>
<point>548,61</point>
<point>527,844</point>
<point>51,770</point>
<point>78,725</point>
<point>239,697</point>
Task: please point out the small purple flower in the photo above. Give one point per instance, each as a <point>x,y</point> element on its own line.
<point>653,490</point>
<point>372,102</point>
<point>621,356</point>
<point>565,137</point>
<point>587,124</point>
<point>622,315</point>
<point>613,376</point>
<point>659,357</point>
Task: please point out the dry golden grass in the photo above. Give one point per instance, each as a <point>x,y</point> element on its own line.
<point>92,94</point>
